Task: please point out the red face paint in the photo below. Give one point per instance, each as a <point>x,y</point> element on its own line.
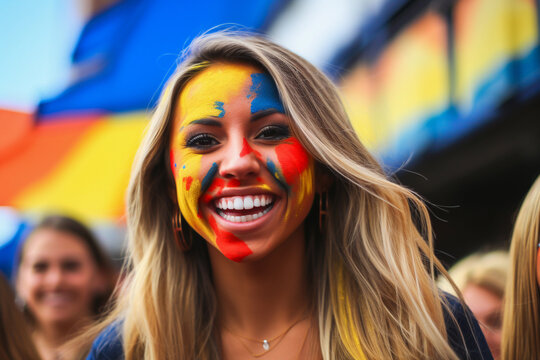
<point>231,246</point>
<point>187,180</point>
<point>171,160</point>
<point>217,186</point>
<point>246,149</point>
<point>293,159</point>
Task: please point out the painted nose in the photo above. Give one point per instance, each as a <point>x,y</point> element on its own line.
<point>241,161</point>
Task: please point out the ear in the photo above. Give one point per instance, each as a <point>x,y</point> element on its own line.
<point>538,266</point>
<point>323,178</point>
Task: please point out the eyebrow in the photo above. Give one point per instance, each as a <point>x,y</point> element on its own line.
<point>209,122</point>
<point>257,116</point>
<point>264,113</point>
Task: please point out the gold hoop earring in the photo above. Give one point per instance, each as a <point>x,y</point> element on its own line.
<point>323,210</point>
<point>179,237</point>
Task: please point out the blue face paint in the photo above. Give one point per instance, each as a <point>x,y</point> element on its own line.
<point>265,93</point>
<point>218,105</point>
<point>207,180</point>
<point>277,175</point>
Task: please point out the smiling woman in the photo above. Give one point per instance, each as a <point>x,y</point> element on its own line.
<point>63,281</point>
<point>230,114</point>
<point>260,227</point>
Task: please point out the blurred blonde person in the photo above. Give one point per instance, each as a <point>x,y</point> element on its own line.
<point>521,324</point>
<point>481,277</point>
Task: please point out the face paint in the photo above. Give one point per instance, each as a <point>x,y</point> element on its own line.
<point>209,177</point>
<point>297,169</point>
<point>218,105</point>
<point>246,149</point>
<point>187,180</point>
<point>265,94</point>
<point>224,149</point>
<point>201,98</point>
<point>231,246</point>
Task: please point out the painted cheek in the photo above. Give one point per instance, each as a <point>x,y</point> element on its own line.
<point>188,188</point>
<point>297,171</point>
<point>293,160</point>
<point>172,162</point>
<point>187,181</point>
<point>232,247</point>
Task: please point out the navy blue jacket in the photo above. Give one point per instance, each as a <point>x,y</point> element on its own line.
<point>108,345</point>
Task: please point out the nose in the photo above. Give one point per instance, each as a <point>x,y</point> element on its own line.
<point>240,160</point>
<point>54,277</point>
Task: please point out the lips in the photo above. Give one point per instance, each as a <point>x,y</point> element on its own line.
<point>241,209</point>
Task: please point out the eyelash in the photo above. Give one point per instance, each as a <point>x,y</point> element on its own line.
<point>274,133</point>
<point>201,141</point>
<point>269,133</point>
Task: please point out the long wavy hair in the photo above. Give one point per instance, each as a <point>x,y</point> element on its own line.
<point>15,336</point>
<point>372,269</point>
<point>521,323</point>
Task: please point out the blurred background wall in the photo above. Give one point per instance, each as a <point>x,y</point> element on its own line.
<point>446,93</point>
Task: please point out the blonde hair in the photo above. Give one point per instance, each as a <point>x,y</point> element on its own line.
<point>487,270</point>
<point>373,272</point>
<point>521,323</point>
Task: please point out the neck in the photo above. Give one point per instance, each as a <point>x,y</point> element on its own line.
<point>262,298</point>
<point>50,337</point>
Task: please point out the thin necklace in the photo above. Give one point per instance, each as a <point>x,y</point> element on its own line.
<point>303,343</point>
<point>267,344</point>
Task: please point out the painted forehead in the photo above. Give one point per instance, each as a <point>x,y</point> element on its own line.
<point>209,91</point>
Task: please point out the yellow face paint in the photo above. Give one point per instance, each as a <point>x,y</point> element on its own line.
<point>222,115</point>
<point>203,97</point>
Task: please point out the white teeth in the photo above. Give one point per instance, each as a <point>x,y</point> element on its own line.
<point>242,219</point>
<point>238,204</point>
<point>248,202</point>
<point>244,202</point>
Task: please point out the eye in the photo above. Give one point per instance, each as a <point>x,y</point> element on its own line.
<point>71,265</point>
<point>40,267</point>
<point>274,132</point>
<point>201,141</point>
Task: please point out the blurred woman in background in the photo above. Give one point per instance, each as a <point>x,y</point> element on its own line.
<point>63,281</point>
<point>521,324</point>
<point>481,277</point>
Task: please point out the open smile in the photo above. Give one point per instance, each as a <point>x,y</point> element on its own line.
<point>241,209</point>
